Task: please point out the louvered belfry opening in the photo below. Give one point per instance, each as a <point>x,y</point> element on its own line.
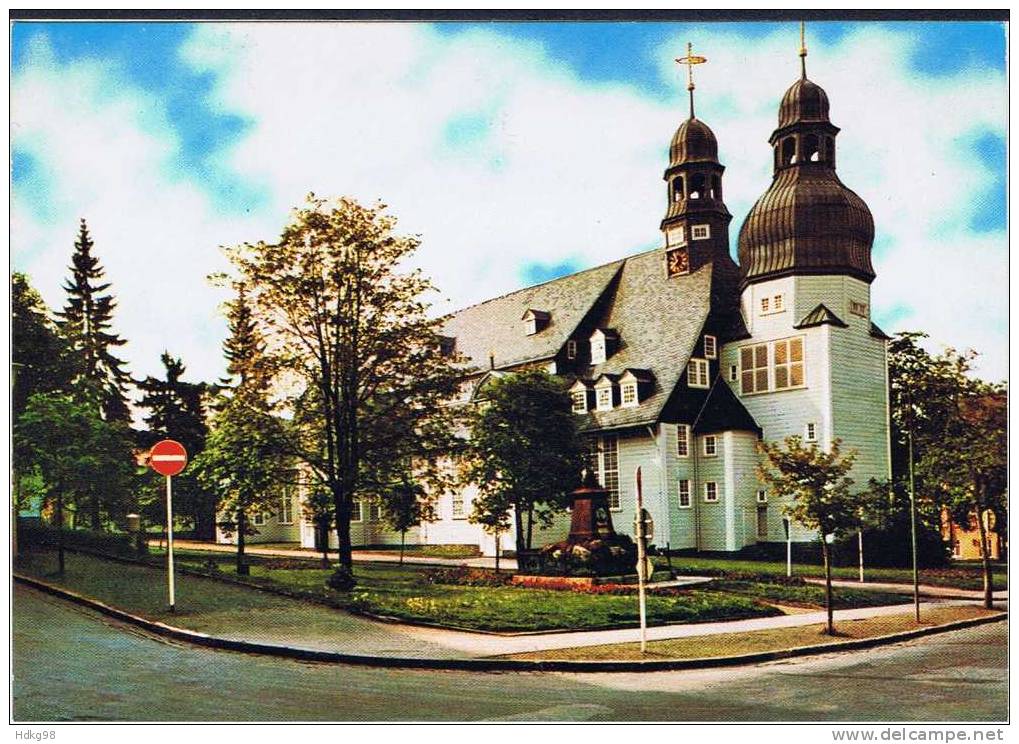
<point>808,221</point>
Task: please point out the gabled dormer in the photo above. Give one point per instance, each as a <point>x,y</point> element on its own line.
<point>635,385</point>
<point>606,392</point>
<point>604,343</point>
<point>535,321</point>
<point>582,395</point>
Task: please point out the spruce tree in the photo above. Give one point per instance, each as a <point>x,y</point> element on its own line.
<point>86,321</point>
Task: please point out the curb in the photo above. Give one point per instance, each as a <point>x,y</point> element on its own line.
<point>488,664</point>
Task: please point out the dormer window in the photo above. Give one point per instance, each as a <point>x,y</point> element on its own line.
<point>447,345</point>
<point>697,373</point>
<point>580,394</point>
<point>571,349</point>
<point>710,347</point>
<point>634,386</point>
<point>603,344</point>
<point>605,399</point>
<point>628,394</point>
<point>604,393</point>
<point>535,321</point>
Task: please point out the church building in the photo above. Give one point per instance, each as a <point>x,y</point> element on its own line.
<point>681,360</point>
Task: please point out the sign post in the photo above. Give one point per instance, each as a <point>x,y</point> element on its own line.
<point>642,561</point>
<point>787,523</point>
<point>168,458</point>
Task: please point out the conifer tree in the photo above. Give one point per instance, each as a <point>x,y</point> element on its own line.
<point>86,322</point>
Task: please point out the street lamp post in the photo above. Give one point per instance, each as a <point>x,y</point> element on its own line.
<point>912,529</point>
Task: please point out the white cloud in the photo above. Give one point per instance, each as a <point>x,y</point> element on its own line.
<point>549,167</point>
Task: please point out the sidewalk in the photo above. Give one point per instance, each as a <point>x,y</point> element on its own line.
<point>926,590</point>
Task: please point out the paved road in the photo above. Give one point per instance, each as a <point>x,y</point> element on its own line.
<point>72,664</point>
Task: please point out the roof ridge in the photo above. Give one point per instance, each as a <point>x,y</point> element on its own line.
<point>622,260</point>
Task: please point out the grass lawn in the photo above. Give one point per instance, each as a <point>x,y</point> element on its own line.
<point>811,595</point>
<point>729,644</point>
<point>383,589</point>
<point>967,575</point>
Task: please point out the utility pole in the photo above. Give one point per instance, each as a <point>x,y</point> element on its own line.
<point>912,528</point>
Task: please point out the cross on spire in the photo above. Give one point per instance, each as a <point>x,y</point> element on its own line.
<point>803,50</point>
<point>690,60</point>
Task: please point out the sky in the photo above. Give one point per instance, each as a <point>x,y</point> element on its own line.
<point>519,152</point>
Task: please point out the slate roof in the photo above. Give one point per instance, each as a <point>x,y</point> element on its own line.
<point>723,411</point>
<point>659,320</point>
<point>819,316</point>
<point>496,326</point>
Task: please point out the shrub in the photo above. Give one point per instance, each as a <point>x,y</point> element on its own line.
<point>341,580</point>
<point>44,536</point>
<point>466,576</point>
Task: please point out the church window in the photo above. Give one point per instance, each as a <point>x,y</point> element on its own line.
<point>684,494</point>
<point>458,506</point>
<point>810,432</point>
<point>710,445</point>
<point>788,151</point>
<point>683,440</point>
<point>700,232</point>
<point>571,349</point>
<point>733,372</point>
<point>605,398</point>
<point>762,497</point>
<point>677,189</point>
<point>628,393</point>
<point>286,515</point>
<point>789,363</point>
<point>811,148</point>
<point>765,305</point>
<point>710,347</point>
<point>858,308</point>
<point>258,519</point>
<point>697,373</point>
<point>697,186</point>
<point>580,402</point>
<point>355,510</point>
<point>754,369</point>
<point>711,492</point>
<point>603,460</point>
<point>778,303</point>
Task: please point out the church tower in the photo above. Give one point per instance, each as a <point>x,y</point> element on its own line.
<point>814,364</point>
<point>696,222</point>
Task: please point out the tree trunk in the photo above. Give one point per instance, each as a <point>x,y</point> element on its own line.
<point>403,542</point>
<point>827,586</point>
<point>530,525</point>
<point>985,559</point>
<point>343,509</point>
<point>497,552</point>
<point>242,527</point>
<point>60,531</point>
<point>518,519</point>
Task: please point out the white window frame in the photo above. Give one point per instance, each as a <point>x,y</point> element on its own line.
<point>457,500</point>
<point>789,363</point>
<point>599,394</point>
<point>374,511</point>
<point>683,440</point>
<point>755,370</point>
<point>810,432</point>
<point>710,346</point>
<point>258,519</point>
<point>700,232</point>
<point>765,305</point>
<point>697,374</point>
<point>772,304</point>
<point>762,496</point>
<point>601,453</point>
<point>714,445</point>
<point>681,492</point>
<point>733,373</point>
<point>571,349</point>
<point>356,511</point>
<point>579,401</point>
<point>628,388</point>
<point>286,515</point>
<point>710,486</point>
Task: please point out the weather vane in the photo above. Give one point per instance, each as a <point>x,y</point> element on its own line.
<point>690,60</point>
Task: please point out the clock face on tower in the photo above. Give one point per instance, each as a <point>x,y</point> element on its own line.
<point>677,261</point>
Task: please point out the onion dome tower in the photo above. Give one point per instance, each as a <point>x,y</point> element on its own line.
<point>696,223</point>
<point>808,221</point>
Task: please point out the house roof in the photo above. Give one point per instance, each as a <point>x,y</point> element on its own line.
<point>821,315</point>
<point>723,411</point>
<point>659,321</point>
<point>495,327</point>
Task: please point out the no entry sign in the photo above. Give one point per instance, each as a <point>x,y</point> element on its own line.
<point>168,457</point>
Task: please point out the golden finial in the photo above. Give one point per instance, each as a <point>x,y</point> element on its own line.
<point>690,60</point>
<point>803,49</point>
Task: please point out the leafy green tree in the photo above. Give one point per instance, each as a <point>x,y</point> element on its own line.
<point>41,358</point>
<point>818,484</point>
<point>405,504</point>
<point>86,322</point>
<point>76,454</point>
<point>177,409</point>
<point>524,453</point>
<point>350,340</point>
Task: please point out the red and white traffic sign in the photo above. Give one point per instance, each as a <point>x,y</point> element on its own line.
<point>168,457</point>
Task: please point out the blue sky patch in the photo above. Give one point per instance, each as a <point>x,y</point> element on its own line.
<point>536,272</point>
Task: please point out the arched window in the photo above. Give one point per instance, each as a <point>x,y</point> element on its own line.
<point>811,148</point>
<point>677,189</point>
<point>716,188</point>
<point>697,186</point>
<point>788,151</point>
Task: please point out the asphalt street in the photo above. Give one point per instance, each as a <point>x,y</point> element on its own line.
<point>73,664</point>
